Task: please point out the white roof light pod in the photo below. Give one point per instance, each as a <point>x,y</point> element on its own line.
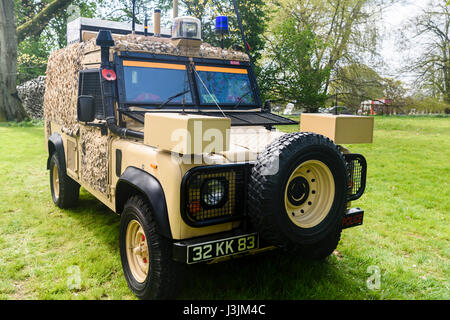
<point>187,28</point>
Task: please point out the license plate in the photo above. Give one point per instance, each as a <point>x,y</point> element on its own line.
<point>222,248</point>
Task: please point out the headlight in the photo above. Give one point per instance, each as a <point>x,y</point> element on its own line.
<point>214,192</point>
<point>213,195</point>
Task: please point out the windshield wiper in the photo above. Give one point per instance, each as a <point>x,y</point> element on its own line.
<point>241,98</point>
<point>173,97</point>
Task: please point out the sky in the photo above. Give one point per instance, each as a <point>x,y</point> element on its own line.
<point>394,17</point>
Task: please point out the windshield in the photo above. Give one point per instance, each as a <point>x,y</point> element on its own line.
<point>155,83</point>
<point>224,86</point>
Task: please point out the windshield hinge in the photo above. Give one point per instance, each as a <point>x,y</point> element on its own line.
<point>191,64</point>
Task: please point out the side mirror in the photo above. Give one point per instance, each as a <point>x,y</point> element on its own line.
<point>86,109</point>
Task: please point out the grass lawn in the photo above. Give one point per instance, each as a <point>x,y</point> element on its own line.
<point>405,234</point>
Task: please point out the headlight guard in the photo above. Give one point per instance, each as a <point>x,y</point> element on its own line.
<point>214,194</point>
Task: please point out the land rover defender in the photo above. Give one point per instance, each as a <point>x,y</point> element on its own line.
<point>171,134</point>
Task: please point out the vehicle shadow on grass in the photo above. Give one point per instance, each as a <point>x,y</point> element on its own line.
<point>98,219</point>
<point>273,275</point>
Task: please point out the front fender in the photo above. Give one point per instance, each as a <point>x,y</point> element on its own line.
<point>134,179</point>
<point>55,144</point>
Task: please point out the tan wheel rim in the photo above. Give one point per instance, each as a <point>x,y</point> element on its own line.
<point>55,181</point>
<point>137,251</point>
<point>309,194</point>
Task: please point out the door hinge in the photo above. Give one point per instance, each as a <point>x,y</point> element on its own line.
<point>111,191</point>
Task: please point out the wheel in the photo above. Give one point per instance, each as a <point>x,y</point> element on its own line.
<point>146,256</point>
<point>65,191</point>
<point>301,204</point>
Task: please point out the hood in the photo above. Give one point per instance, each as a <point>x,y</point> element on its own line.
<point>247,142</point>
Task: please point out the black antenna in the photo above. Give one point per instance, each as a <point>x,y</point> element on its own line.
<point>146,25</point>
<point>133,24</point>
<point>238,16</point>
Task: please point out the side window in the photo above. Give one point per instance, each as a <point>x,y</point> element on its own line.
<point>89,85</point>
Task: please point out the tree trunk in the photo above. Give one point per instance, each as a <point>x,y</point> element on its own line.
<point>39,22</point>
<point>10,105</point>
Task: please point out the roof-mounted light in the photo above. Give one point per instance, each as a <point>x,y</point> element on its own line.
<point>187,28</point>
<point>222,25</point>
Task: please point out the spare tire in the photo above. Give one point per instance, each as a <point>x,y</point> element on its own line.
<point>298,193</point>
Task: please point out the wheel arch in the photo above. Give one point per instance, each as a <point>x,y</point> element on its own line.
<point>56,145</point>
<point>136,181</point>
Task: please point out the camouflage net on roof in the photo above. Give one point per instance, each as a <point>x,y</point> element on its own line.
<point>166,46</point>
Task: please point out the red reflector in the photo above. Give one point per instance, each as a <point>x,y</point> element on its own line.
<point>109,75</point>
<point>235,63</point>
<point>195,207</point>
<point>353,218</point>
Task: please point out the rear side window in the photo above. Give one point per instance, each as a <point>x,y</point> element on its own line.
<point>90,86</point>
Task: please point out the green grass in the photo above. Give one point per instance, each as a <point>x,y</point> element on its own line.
<point>405,233</point>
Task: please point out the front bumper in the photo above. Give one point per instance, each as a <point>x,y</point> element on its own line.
<point>237,243</point>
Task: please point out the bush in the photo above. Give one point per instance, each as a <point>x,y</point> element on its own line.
<point>27,123</point>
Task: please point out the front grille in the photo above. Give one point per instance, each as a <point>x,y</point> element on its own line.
<point>230,180</point>
<point>357,168</point>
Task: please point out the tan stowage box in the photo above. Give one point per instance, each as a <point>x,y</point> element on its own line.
<point>187,134</point>
<point>342,129</point>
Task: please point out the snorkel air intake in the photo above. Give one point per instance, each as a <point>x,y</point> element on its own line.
<point>108,78</point>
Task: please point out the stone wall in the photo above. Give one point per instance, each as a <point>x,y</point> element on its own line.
<point>31,93</point>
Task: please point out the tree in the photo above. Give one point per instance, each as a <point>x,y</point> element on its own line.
<point>341,33</point>
<point>253,12</point>
<point>425,104</point>
<point>253,20</point>
<point>10,105</point>
<point>253,15</point>
<point>37,24</point>
<point>395,91</point>
<point>33,25</point>
<point>432,40</point>
<point>292,73</point>
<point>33,51</point>
<point>355,83</point>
